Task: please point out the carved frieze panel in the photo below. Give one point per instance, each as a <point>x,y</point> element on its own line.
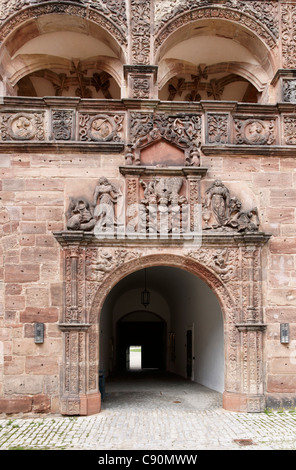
<point>140,31</point>
<point>289,90</point>
<point>289,130</point>
<point>101,127</point>
<point>183,131</point>
<point>62,124</point>
<point>254,131</point>
<point>288,36</point>
<point>217,128</point>
<point>22,126</point>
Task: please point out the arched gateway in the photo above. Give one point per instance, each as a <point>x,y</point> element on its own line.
<point>229,263</point>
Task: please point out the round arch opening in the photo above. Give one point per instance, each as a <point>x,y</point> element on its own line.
<point>180,331</point>
<point>201,60</point>
<point>57,55</point>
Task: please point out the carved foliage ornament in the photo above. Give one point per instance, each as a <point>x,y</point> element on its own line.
<point>288,35</point>
<point>290,130</point>
<point>140,31</point>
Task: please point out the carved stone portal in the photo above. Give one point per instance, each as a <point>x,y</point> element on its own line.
<point>230,265</point>
<point>226,255</point>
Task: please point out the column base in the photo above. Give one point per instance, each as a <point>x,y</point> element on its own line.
<point>83,405</point>
<point>90,404</point>
<point>243,403</point>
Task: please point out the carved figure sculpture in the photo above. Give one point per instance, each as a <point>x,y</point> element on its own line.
<point>80,215</point>
<point>241,220</point>
<point>227,211</point>
<point>105,197</point>
<point>217,200</point>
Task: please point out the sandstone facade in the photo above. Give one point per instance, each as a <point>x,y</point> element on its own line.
<point>178,117</point>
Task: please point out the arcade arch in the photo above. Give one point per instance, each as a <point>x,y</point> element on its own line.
<point>180,303</point>
<point>201,60</point>
<point>63,55</point>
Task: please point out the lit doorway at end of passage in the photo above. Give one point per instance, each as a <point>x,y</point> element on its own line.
<point>134,357</point>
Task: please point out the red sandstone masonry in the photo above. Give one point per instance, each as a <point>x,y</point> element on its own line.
<point>22,273</point>
<point>39,314</point>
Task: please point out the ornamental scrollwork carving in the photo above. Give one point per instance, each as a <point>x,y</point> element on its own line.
<point>260,17</point>
<point>62,125</point>
<point>290,130</point>
<point>289,90</point>
<point>100,127</point>
<point>254,132</point>
<point>223,261</point>
<point>140,31</point>
<point>221,211</point>
<point>218,128</point>
<point>110,13</point>
<point>100,263</point>
<point>183,131</point>
<point>265,12</point>
<point>22,126</point>
<point>288,35</point>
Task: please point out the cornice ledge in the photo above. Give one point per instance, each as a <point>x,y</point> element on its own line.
<point>80,238</point>
<point>251,326</point>
<point>233,150</point>
<point>61,147</point>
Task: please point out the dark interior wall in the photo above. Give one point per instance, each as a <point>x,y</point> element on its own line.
<point>150,335</point>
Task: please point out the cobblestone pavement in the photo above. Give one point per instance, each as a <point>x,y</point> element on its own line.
<point>155,414</point>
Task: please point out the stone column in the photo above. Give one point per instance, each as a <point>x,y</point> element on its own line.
<point>140,74</point>
<point>251,329</point>
<point>76,398</point>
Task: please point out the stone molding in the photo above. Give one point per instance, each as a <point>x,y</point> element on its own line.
<point>61,124</point>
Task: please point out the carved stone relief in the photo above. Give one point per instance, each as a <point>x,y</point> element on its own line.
<point>99,214</point>
<point>221,211</point>
<point>108,14</point>
<point>266,13</point>
<point>101,127</point>
<point>62,124</point>
<point>163,209</point>
<point>183,131</point>
<point>254,131</point>
<point>289,130</point>
<point>232,271</point>
<point>22,126</point>
<point>289,90</point>
<point>261,18</point>
<point>218,128</point>
<point>288,12</point>
<point>140,31</point>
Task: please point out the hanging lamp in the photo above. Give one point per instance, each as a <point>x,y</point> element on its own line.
<point>145,294</point>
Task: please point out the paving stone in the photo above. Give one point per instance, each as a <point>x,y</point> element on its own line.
<point>155,415</point>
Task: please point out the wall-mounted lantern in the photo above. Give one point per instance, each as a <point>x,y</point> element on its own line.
<point>39,333</point>
<point>285,333</point>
